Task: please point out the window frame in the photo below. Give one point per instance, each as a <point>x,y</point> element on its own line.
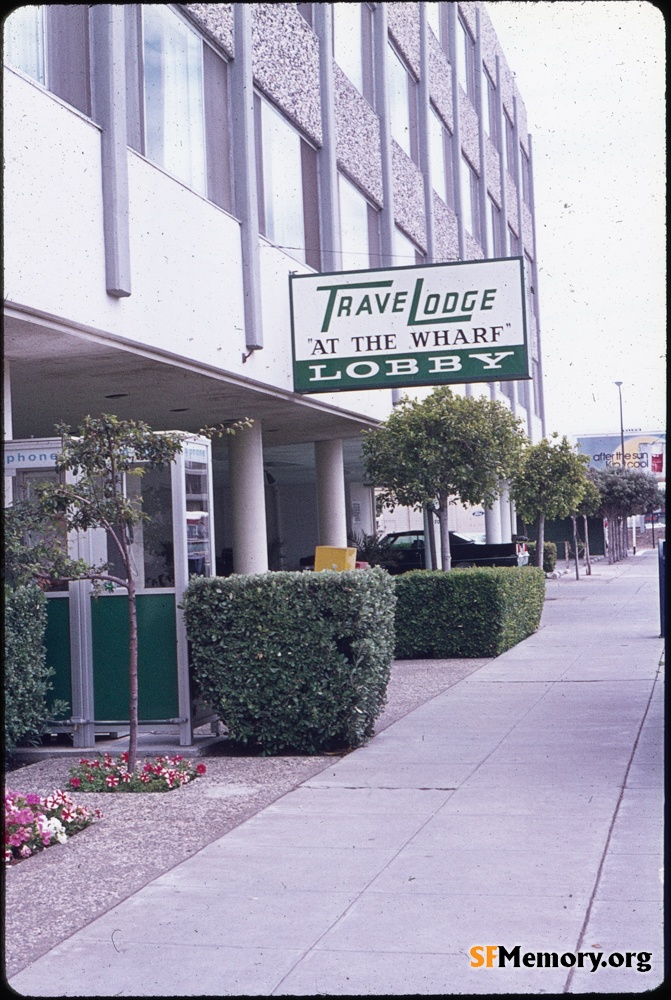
<point>64,54</point>
<point>216,132</point>
<point>466,64</point>
<point>365,46</point>
<point>447,139</point>
<point>474,198</point>
<point>492,120</point>
<point>510,146</point>
<point>311,249</point>
<point>411,99</point>
<point>525,170</point>
<point>443,36</point>
<point>372,224</point>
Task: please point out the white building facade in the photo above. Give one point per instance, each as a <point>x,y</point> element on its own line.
<point>169,166</point>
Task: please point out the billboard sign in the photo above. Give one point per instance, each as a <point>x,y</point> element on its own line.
<point>398,327</point>
<point>643,452</point>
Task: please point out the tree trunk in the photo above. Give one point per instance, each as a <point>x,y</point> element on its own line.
<point>540,540</point>
<point>574,519</point>
<point>445,554</point>
<point>132,676</point>
<point>588,562</point>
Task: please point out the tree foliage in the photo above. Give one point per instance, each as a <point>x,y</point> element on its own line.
<point>432,450</point>
<point>550,483</point>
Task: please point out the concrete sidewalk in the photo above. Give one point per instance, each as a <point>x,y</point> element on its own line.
<point>523,806</point>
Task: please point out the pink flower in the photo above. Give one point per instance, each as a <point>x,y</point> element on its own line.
<point>75,782</point>
<point>201,769</point>
<point>111,780</point>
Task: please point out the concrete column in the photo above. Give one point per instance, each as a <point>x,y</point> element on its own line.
<point>244,164</point>
<point>493,523</point>
<point>506,534</point>
<point>8,433</point>
<point>250,540</point>
<point>331,504</point>
<point>327,155</point>
<point>109,111</point>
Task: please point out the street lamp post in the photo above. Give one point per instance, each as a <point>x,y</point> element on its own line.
<point>619,389</point>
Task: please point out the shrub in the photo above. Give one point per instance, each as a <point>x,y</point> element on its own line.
<point>26,671</point>
<point>549,555</point>
<point>293,661</point>
<point>469,612</point>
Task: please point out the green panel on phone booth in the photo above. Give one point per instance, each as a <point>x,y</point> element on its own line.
<point>57,643</point>
<point>157,657</point>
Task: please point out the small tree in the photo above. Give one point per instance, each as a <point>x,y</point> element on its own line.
<point>588,506</point>
<point>443,446</point>
<point>104,453</point>
<point>624,493</point>
<point>550,482</point>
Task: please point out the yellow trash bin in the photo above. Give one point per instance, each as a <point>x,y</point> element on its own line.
<point>329,557</point>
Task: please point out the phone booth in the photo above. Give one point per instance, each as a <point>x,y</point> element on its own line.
<point>87,632</point>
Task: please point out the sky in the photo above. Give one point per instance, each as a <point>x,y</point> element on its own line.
<point>592,77</point>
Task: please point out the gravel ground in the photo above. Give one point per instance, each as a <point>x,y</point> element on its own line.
<point>51,895</point>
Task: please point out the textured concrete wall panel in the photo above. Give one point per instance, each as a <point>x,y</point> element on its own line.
<point>216,19</point>
<point>470,138</point>
<point>403,23</point>
<point>357,136</point>
<point>493,166</point>
<point>440,82</point>
<point>445,230</point>
<point>408,196</point>
<point>528,231</point>
<point>467,11</point>
<point>473,249</point>
<point>511,202</point>
<point>279,36</point>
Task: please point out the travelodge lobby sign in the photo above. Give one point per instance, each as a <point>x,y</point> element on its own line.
<point>409,326</point>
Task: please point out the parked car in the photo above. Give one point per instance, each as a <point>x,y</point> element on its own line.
<point>405,551</point>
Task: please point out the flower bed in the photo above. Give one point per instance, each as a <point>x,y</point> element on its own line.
<point>105,774</point>
<point>33,823</point>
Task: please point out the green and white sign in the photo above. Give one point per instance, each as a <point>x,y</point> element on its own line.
<point>408,326</point>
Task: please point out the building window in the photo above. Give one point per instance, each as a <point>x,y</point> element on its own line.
<point>526,177</point>
<point>495,222</point>
<point>511,151</point>
<point>489,107</point>
<point>515,243</point>
<point>359,229</point>
<point>528,283</point>
<point>177,101</point>
<point>465,59</point>
<point>436,16</point>
<point>441,159</point>
<point>470,200</point>
<point>353,45</point>
<point>288,187</point>
<point>403,105</point>
<point>50,43</point>
<point>405,252</point>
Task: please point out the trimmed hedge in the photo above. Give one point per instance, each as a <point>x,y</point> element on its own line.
<point>26,671</point>
<point>469,612</point>
<point>549,555</point>
<point>293,661</point>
